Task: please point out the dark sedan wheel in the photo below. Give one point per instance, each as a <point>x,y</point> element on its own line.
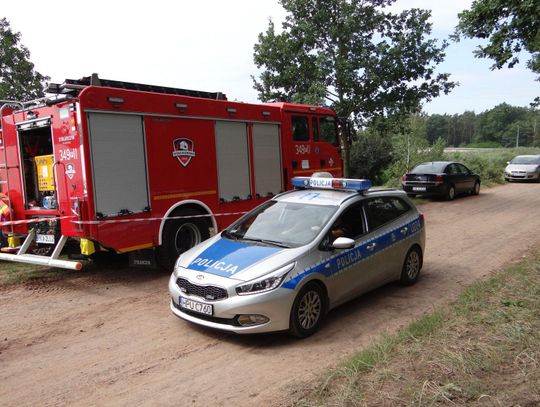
<point>307,311</point>
<point>476,188</point>
<point>450,193</point>
<point>411,266</point>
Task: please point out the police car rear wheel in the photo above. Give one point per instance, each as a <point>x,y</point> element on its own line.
<point>180,235</point>
<point>411,266</point>
<point>307,311</point>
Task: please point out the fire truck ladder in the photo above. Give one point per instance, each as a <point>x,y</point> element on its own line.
<point>21,256</point>
<point>73,86</point>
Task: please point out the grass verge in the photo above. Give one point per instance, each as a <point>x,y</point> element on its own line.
<point>481,350</point>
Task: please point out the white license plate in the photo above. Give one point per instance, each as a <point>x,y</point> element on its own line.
<point>196,306</point>
<point>48,239</point>
<point>419,189</point>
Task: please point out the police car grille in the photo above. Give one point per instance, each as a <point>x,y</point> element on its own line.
<point>208,292</point>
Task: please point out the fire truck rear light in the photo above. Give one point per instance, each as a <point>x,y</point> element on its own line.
<point>181,105</point>
<point>231,110</point>
<point>115,100</point>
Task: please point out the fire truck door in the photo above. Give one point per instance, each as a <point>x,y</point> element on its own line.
<point>267,159</point>
<point>232,154</point>
<point>119,168</point>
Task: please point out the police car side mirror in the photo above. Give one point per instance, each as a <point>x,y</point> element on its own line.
<point>343,243</point>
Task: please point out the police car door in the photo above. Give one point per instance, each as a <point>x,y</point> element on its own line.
<point>351,269</point>
<point>387,220</point>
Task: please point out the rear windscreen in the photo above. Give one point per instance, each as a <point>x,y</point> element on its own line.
<point>429,168</point>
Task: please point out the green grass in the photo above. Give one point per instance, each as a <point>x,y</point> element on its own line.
<point>483,349</point>
<point>20,273</point>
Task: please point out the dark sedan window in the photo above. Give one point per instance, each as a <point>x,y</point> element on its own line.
<point>383,210</point>
<point>428,168</point>
<point>451,170</point>
<point>463,169</point>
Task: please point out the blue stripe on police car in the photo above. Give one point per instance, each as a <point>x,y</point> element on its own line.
<point>225,258</point>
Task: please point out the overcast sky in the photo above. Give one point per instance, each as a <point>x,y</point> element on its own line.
<point>208,45</point>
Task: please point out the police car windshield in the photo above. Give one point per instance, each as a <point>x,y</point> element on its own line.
<point>282,223</point>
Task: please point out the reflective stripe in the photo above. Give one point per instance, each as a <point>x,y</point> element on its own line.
<point>346,259</point>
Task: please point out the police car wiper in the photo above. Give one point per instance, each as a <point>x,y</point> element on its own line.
<point>231,235</point>
<point>270,242</point>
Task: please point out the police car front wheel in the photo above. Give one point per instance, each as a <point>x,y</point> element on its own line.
<point>307,311</point>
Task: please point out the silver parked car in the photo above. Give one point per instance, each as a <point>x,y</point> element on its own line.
<point>286,263</point>
<point>523,167</point>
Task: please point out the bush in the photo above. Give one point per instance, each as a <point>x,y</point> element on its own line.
<point>489,164</point>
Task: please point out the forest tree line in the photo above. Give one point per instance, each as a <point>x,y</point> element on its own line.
<point>502,126</point>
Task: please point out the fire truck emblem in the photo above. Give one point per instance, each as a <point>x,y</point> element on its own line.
<point>183,150</point>
<point>70,171</point>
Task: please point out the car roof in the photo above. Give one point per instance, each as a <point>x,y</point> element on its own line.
<point>316,196</point>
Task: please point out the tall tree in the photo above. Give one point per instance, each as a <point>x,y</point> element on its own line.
<point>18,79</point>
<point>366,61</point>
<point>510,26</point>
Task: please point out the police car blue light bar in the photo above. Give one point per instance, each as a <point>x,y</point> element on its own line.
<point>331,183</point>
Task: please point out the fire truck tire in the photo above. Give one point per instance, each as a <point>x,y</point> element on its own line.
<point>180,235</point>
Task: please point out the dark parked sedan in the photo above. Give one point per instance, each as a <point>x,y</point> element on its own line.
<point>441,178</point>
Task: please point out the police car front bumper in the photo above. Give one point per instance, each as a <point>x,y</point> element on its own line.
<point>230,314</point>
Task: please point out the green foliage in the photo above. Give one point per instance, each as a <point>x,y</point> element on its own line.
<point>18,80</point>
<point>370,155</point>
<point>490,164</point>
<point>497,127</point>
<point>364,60</point>
<point>410,148</point>
<point>510,26</point>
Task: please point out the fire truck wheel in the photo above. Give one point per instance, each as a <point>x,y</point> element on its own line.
<point>180,235</point>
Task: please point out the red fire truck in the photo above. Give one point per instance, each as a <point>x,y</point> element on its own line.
<point>125,167</point>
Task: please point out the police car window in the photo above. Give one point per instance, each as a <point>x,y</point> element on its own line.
<point>350,224</point>
<point>300,128</point>
<point>380,211</point>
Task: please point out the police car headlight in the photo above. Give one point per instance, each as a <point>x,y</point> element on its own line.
<point>263,284</point>
<point>177,266</point>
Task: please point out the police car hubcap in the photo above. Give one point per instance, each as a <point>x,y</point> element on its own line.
<point>309,310</point>
<point>413,265</point>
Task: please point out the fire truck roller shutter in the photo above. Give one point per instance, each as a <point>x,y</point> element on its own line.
<point>180,235</point>
<point>118,160</point>
<point>267,159</point>
<point>232,152</point>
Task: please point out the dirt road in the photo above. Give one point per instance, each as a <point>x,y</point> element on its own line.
<point>108,338</point>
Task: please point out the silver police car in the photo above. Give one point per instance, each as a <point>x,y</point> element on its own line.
<point>286,263</point>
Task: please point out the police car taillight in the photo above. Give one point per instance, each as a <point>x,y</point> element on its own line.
<point>331,183</point>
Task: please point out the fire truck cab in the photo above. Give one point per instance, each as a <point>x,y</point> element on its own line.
<point>125,167</point>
